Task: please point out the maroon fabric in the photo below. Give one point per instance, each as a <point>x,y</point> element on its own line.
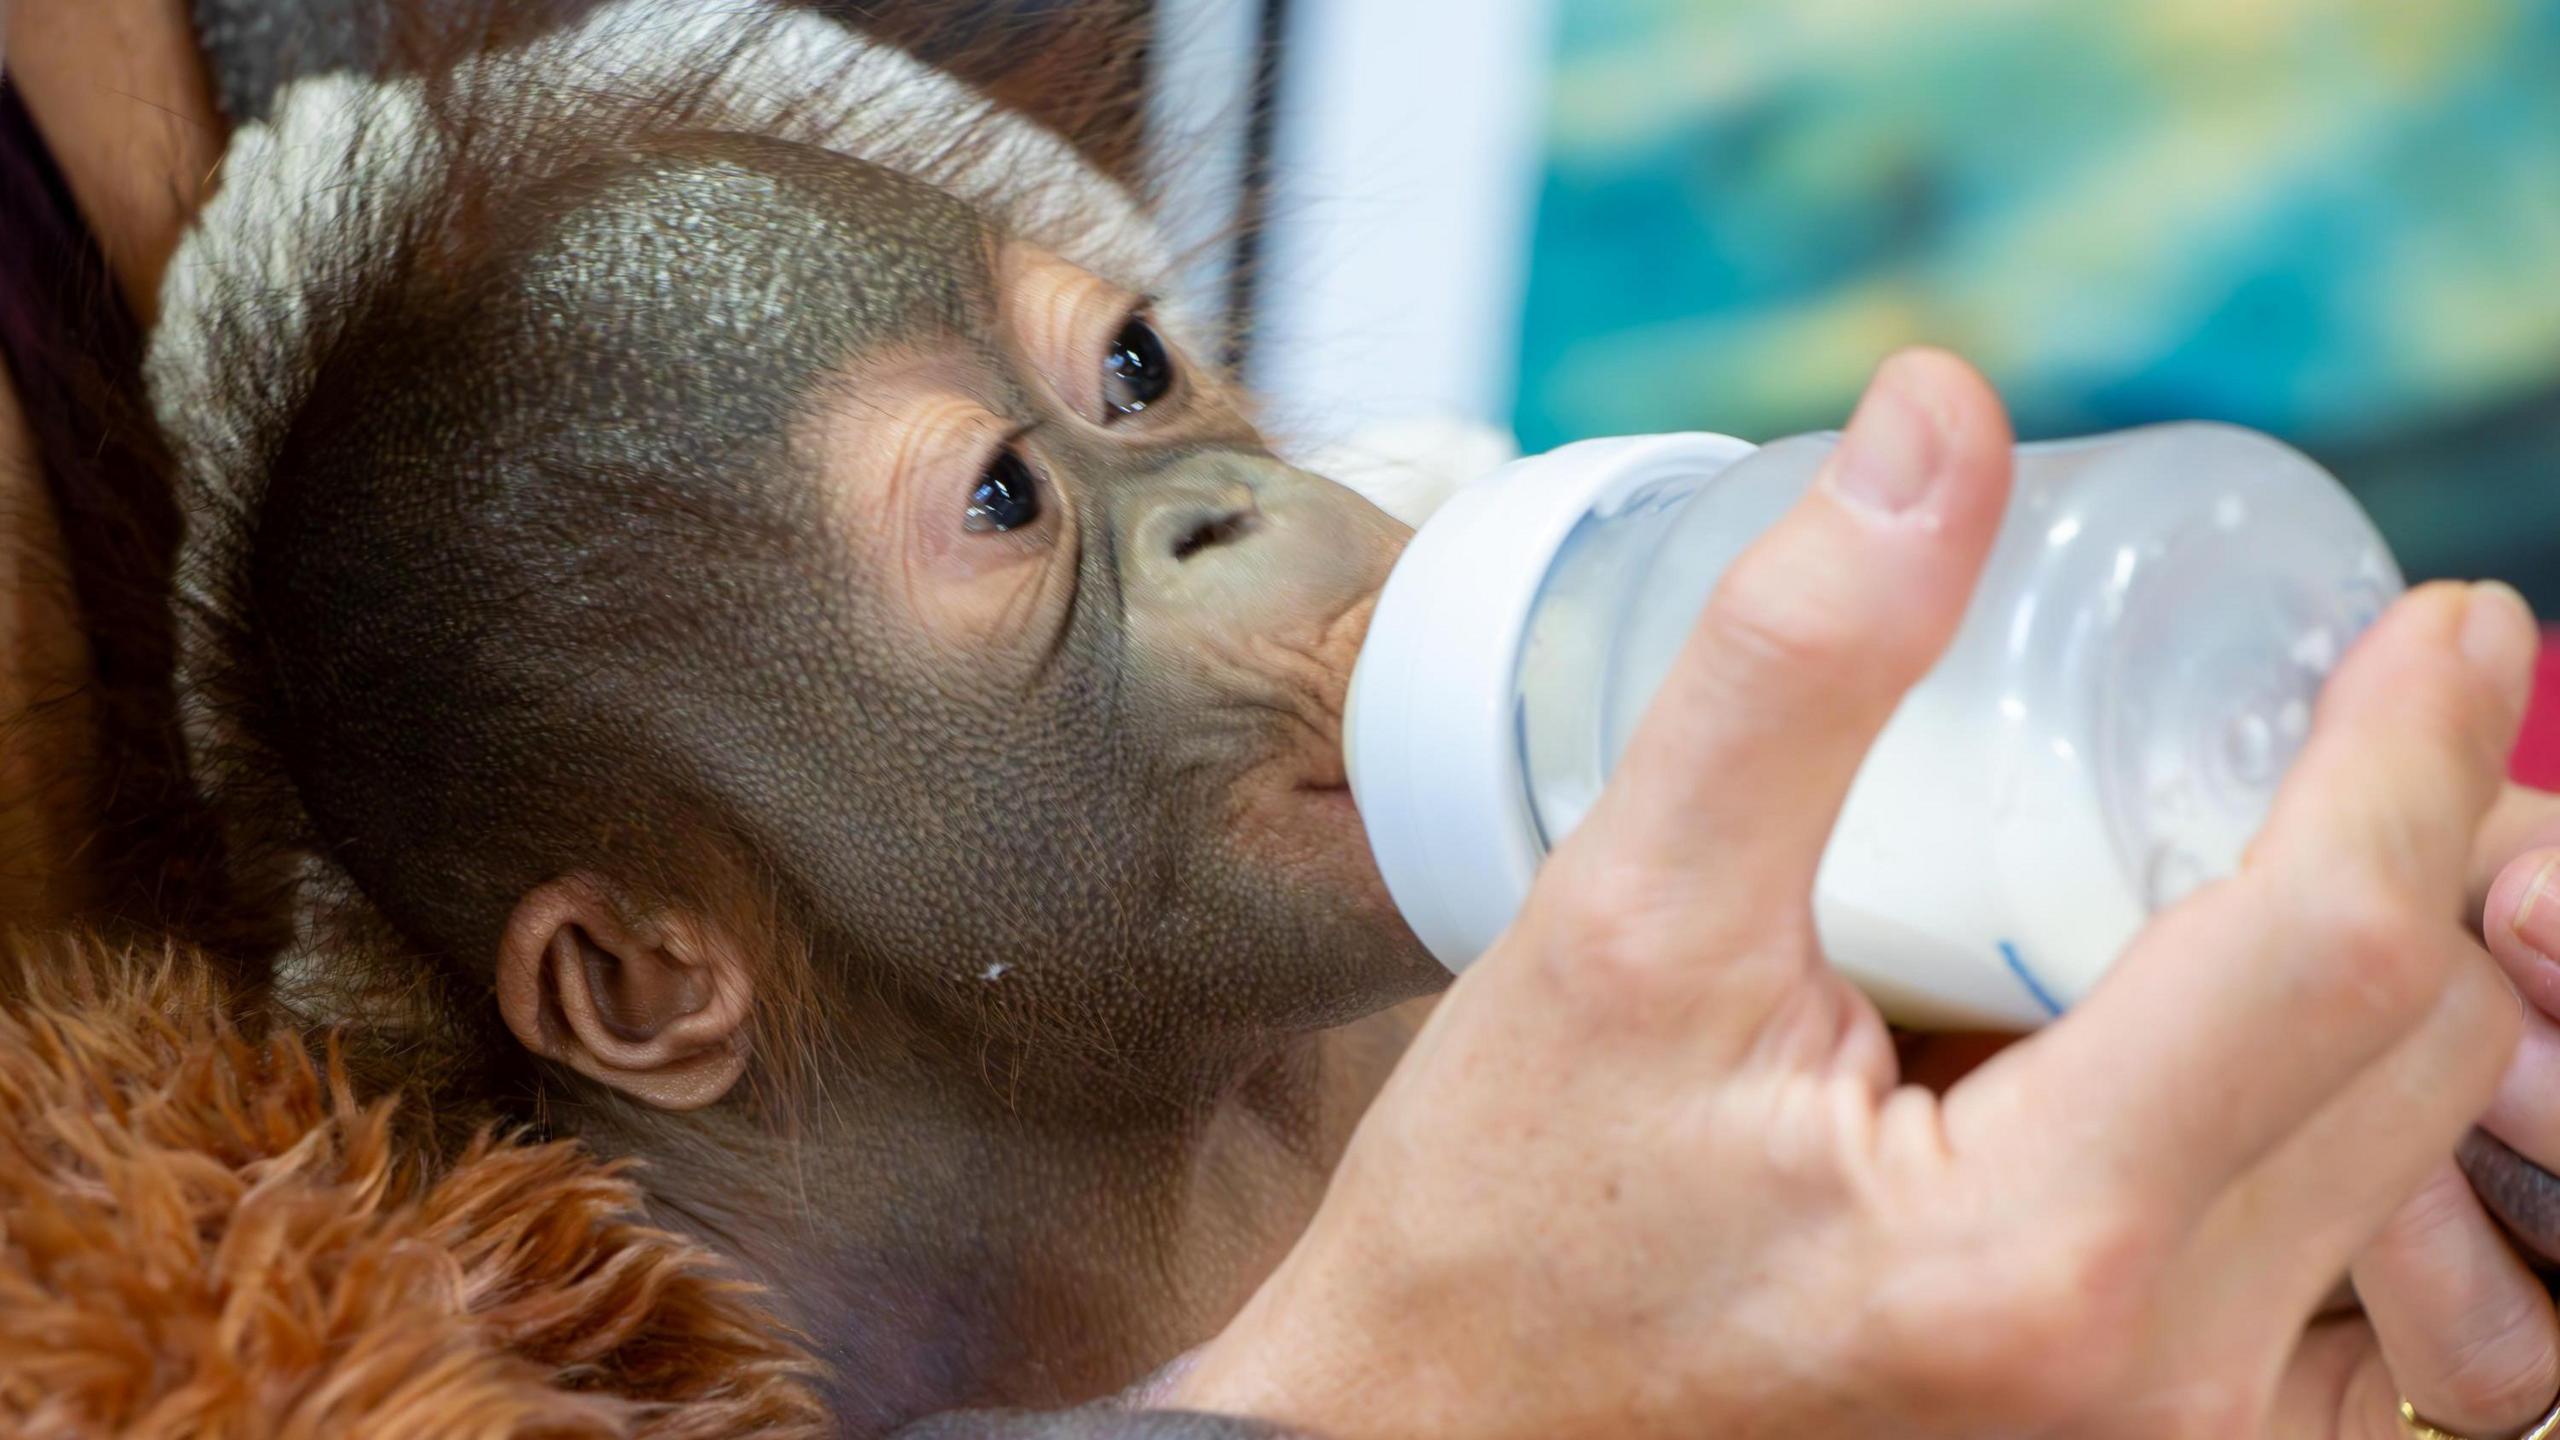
<point>2537,755</point>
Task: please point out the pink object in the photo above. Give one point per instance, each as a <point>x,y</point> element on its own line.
<point>2537,756</point>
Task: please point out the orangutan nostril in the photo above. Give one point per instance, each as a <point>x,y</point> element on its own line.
<point>1218,530</point>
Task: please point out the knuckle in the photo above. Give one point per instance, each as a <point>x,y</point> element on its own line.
<point>2095,1273</point>
<point>1603,937</point>
<point>2031,1333</point>
<point>1763,628</point>
<point>2379,963</point>
<point>2440,1207</point>
<point>2507,1368</point>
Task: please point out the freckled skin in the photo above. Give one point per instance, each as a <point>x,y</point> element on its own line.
<point>561,571</point>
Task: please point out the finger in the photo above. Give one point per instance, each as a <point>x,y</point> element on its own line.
<point>1730,784</point>
<point>2275,1239</point>
<point>2236,1016</point>
<point>2259,1262</point>
<point>2522,819</point>
<point>2337,1388</point>
<point>2525,1113</point>
<point>2408,750</point>
<point>2466,1330</point>
<point>2273,1242</point>
<point>2520,922</point>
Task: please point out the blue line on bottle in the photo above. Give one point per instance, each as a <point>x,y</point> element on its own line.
<point>2027,977</point>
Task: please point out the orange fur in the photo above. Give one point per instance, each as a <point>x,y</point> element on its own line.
<point>205,1233</point>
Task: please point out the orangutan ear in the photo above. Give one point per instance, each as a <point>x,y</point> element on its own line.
<point>655,1008</point>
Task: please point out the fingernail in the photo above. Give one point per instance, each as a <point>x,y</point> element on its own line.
<point>2499,638</point>
<point>2537,918</point>
<point>1888,458</point>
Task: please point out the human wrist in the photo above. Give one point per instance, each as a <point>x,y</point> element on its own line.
<point>1264,1366</point>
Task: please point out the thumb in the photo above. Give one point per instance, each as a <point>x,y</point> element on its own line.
<point>2520,922</point>
<point>1720,809</point>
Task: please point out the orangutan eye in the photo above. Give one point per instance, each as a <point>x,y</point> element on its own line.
<point>1007,497</point>
<point>1136,371</point>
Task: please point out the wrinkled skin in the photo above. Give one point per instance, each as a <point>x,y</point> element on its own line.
<point>1056,808</point>
<point>1095,749</point>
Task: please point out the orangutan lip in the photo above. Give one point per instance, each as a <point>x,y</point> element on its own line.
<point>1326,771</point>
<point>1336,794</point>
<point>2523,1196</point>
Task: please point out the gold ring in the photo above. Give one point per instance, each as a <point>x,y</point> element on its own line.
<point>2546,1428</point>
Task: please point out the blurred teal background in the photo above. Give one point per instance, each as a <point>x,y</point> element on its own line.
<point>2338,222</point>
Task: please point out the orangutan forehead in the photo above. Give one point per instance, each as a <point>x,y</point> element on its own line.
<point>741,244</point>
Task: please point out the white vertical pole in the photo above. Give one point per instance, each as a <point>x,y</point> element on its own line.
<point>1199,115</point>
<point>1404,179</point>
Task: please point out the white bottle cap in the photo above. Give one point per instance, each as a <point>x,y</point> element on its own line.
<point>1431,728</point>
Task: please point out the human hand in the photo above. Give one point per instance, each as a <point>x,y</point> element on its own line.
<point>1647,1170</point>
<point>2458,1323</point>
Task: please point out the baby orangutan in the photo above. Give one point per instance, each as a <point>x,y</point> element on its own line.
<point>740,632</point>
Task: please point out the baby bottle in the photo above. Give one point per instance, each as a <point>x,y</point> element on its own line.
<point>2134,674</point>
